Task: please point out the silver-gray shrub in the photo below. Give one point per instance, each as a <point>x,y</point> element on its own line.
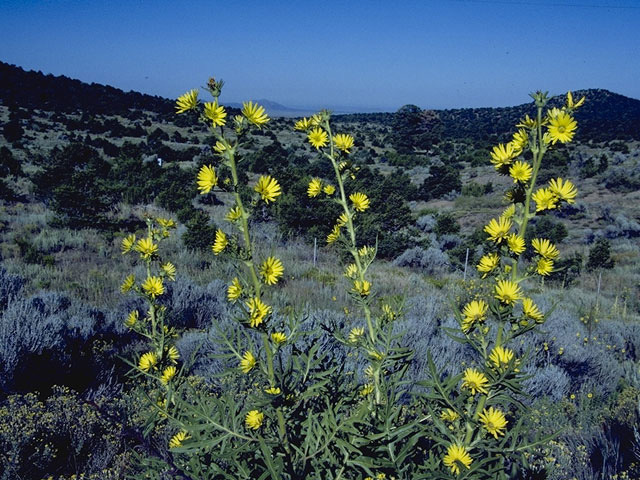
<point>426,223</point>
<point>431,261</point>
<point>10,286</point>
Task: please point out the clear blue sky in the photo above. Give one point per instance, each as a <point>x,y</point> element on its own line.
<point>432,53</point>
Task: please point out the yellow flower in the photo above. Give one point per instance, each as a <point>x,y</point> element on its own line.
<point>531,310</point>
<point>234,214</point>
<point>315,187</point>
<point>334,235</point>
<point>449,415</point>
<point>527,122</point>
<point>177,439</point>
<point>571,105</point>
<point>500,357</point>
<point>488,263</point>
<point>351,270</point>
<point>545,248</point>
<point>271,270</point>
<point>329,189</point>
<point>153,286</point>
<point>342,220</point>
<point>173,354</point>
<point>254,419</point>
<point>127,243</point>
<point>360,201</point>
<point>268,188</point>
<point>493,421</point>
<point>507,292</point>
<point>343,142</point>
<point>520,171</point>
<point>168,374</point>
<point>254,113</point>
<point>498,229</point>
<point>187,101</point>
<point>475,381</point>
<point>220,242</point>
<point>515,243</point>
<point>128,283</point>
<point>258,310</point>
<point>561,127</point>
<point>132,319</point>
<point>235,290</point>
<point>362,287</point>
<point>215,113</point>
<point>564,190</point>
<point>146,247</point>
<point>273,390</point>
<point>473,312</point>
<point>545,199</point>
<point>544,266</point>
<point>303,124</point>
<point>367,389</point>
<point>207,179</point>
<point>503,154</point>
<point>456,458</point>
<point>247,362</point>
<point>169,270</point>
<point>147,361</point>
<point>520,139</point>
<point>355,334</point>
<point>166,222</point>
<point>508,212</point>
<point>278,337</point>
<point>318,138</point>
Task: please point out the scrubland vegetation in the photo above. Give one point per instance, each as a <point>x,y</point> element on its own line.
<point>81,176</point>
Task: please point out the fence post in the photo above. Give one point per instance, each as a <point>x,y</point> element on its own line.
<point>315,251</point>
<point>466,260</point>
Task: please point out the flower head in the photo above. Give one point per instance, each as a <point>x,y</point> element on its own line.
<point>220,242</point>
<point>329,189</point>
<point>545,199</point>
<point>153,286</point>
<point>254,113</point>
<point>449,415</point>
<point>520,139</point>
<point>473,312</point>
<point>146,247</point>
<point>168,374</point>
<point>215,113</point>
<point>132,319</point>
<point>177,440</point>
<point>318,138</point>
<point>504,154</point>
<point>303,124</point>
<point>127,243</point>
<point>234,291</point>
<point>493,421</point>
<point>520,171</point>
<point>147,361</point>
<point>457,458</point>
<point>564,190</point>
<point>187,101</point>
<point>278,338</point>
<point>247,362</point>
<point>530,310</point>
<point>343,142</point>
<point>173,354</point>
<point>169,269</point>
<point>360,201</point>
<point>128,283</point>
<point>271,270</point>
<point>254,419</point>
<point>207,179</point>
<point>488,263</point>
<point>268,188</point>
<point>527,122</point>
<point>363,288</point>
<point>498,229</point>
<point>234,214</point>
<point>545,248</point>
<point>258,310</point>
<point>500,357</point>
<point>315,187</point>
<point>544,266</point>
<point>561,127</point>
<point>507,292</point>
<point>355,334</point>
<point>515,243</point>
<point>334,234</point>
<point>273,390</point>
<point>571,105</point>
<point>475,381</point>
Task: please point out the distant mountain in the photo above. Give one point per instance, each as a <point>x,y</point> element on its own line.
<point>605,115</point>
